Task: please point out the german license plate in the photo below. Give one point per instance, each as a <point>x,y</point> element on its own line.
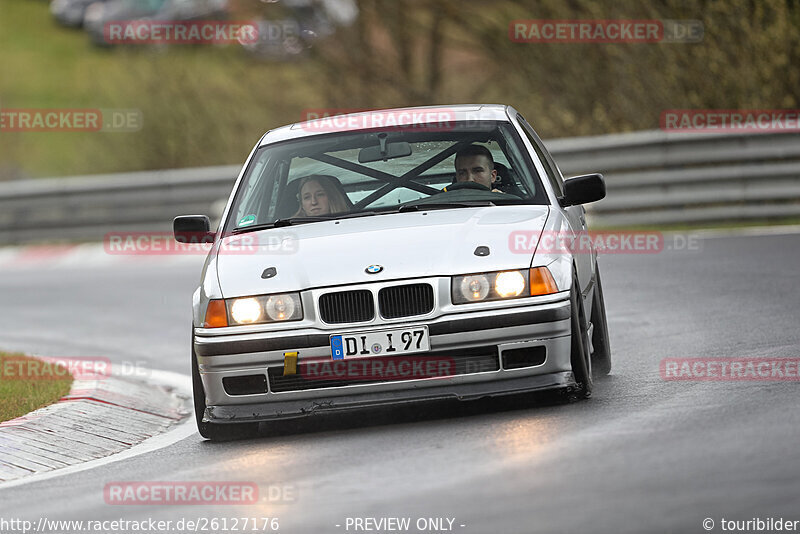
<point>393,342</point>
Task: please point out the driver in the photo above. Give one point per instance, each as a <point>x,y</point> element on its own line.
<point>475,164</point>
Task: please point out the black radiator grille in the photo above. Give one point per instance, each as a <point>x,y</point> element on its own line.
<point>347,307</point>
<point>405,301</point>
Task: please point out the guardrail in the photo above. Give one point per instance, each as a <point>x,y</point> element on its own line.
<point>85,208</point>
<point>653,178</point>
<point>657,178</point>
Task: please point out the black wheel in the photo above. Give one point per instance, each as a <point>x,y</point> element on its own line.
<point>581,362</point>
<point>212,431</point>
<point>601,357</point>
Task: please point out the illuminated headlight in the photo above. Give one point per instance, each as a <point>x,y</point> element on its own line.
<point>509,284</point>
<point>246,311</point>
<point>265,309</point>
<point>482,287</point>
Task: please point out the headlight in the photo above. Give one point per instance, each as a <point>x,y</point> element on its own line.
<point>474,288</point>
<point>482,287</point>
<point>282,307</point>
<point>254,310</point>
<point>246,311</point>
<point>510,284</point>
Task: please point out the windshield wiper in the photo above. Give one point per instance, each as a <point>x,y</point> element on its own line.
<point>444,205</point>
<point>278,224</point>
<point>291,221</point>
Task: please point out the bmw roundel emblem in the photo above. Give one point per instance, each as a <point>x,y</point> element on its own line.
<point>373,269</point>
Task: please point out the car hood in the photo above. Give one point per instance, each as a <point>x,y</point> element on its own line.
<point>405,245</point>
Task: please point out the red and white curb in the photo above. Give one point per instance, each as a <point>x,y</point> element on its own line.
<point>96,419</point>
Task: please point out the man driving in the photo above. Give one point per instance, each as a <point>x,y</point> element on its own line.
<point>475,164</point>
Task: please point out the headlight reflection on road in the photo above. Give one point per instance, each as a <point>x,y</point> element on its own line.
<point>527,438</point>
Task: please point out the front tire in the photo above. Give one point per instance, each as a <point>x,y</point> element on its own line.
<point>214,431</point>
<point>579,357</point>
<point>601,357</point>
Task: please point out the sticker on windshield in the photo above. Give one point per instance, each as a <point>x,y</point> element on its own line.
<point>247,220</point>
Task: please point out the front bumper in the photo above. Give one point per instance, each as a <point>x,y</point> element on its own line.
<point>545,327</point>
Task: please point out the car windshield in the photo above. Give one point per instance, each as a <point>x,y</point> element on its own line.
<point>351,174</point>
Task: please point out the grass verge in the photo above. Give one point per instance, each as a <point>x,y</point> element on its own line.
<point>199,105</point>
<point>27,384</point>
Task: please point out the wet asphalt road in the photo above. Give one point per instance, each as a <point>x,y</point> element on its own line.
<point>643,455</point>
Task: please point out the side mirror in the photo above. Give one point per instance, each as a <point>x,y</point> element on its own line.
<point>192,229</point>
<point>583,189</point>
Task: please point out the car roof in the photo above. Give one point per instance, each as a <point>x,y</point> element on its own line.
<point>412,115</point>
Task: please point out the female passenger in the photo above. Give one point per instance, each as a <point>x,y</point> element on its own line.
<point>319,195</point>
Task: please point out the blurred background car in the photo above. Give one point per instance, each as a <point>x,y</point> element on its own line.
<point>305,21</point>
<point>99,14</point>
<point>279,40</point>
<point>71,12</point>
<point>192,10</point>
